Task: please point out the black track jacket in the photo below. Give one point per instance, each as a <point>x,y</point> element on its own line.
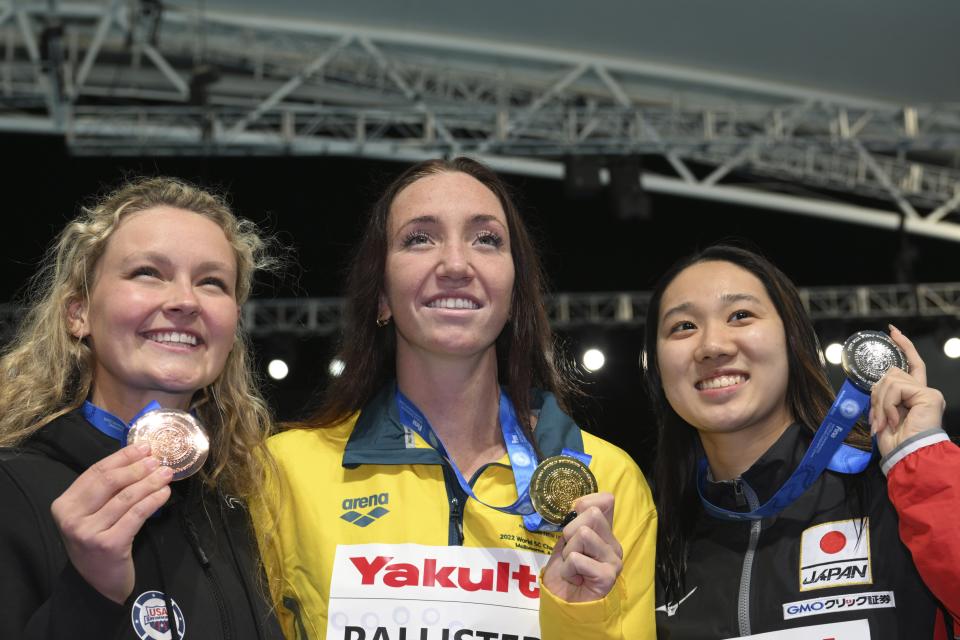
<point>835,555</point>
<point>196,554</point>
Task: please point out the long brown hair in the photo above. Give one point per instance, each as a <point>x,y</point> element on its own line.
<point>525,347</point>
<point>809,397</point>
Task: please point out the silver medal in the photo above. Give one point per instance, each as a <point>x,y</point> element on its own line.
<point>867,355</point>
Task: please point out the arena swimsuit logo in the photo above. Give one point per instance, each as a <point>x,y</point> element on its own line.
<point>377,501</point>
<point>150,619</point>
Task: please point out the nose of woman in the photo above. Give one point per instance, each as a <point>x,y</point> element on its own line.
<point>715,341</point>
<point>454,262</point>
<point>182,299</point>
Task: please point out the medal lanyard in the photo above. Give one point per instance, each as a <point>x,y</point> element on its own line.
<point>826,451</point>
<point>523,458</point>
<point>109,424</point>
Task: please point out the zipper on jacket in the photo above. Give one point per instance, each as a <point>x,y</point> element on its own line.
<point>738,493</point>
<point>235,505</point>
<point>456,521</point>
<point>744,491</point>
<point>293,607</point>
<point>456,498</point>
<point>194,538</point>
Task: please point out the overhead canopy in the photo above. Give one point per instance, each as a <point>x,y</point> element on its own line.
<point>858,103</point>
<point>883,50</point>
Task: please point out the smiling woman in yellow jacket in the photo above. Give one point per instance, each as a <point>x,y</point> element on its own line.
<point>374,527</point>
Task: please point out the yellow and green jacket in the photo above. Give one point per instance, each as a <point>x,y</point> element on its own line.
<point>366,535</point>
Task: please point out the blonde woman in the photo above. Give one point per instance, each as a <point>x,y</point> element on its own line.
<point>138,303</point>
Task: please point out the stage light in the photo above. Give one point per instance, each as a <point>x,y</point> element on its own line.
<point>336,367</point>
<point>833,352</point>
<point>593,359</point>
<point>278,369</point>
<point>952,348</point>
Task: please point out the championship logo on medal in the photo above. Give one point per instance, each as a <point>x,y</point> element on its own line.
<point>151,620</point>
<point>556,484</point>
<point>176,439</point>
<point>867,355</point>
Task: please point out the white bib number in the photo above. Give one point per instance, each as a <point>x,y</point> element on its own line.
<point>417,592</point>
<point>855,630</point>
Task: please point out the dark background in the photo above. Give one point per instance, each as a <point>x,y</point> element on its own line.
<point>316,204</point>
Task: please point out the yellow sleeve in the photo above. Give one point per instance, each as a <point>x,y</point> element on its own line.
<point>627,612</point>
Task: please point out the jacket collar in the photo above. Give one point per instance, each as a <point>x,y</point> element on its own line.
<point>72,440</point>
<point>378,436</point>
<point>768,473</point>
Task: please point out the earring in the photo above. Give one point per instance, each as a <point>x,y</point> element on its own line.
<point>382,322</point>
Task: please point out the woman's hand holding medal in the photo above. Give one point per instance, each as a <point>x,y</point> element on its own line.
<point>901,403</point>
<point>587,558</point>
<point>101,512</point>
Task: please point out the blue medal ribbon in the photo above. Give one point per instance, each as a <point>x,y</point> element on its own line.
<point>109,424</point>
<point>826,451</point>
<point>523,457</point>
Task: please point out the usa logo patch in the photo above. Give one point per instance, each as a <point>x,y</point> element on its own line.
<point>835,554</point>
<point>150,619</point>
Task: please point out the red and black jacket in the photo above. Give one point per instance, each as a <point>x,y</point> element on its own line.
<point>844,551</point>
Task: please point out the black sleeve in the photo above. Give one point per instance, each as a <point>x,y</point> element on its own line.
<point>41,594</point>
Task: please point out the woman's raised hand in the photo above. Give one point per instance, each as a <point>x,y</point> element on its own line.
<point>587,558</point>
<point>101,512</point>
<point>901,403</point>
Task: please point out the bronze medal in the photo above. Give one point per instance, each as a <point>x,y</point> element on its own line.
<point>176,439</point>
<point>556,483</point>
<point>867,355</point>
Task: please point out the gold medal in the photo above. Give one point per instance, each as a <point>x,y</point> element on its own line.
<point>176,439</point>
<point>556,484</point>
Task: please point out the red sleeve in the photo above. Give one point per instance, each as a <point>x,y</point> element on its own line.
<point>924,487</point>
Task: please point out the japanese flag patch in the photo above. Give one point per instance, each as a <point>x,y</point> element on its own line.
<point>835,554</point>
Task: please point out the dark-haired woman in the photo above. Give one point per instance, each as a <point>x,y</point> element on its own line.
<point>448,393</point>
<point>138,306</point>
<point>734,369</point>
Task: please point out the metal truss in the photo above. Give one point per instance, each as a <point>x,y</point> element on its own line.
<point>323,316</point>
<point>141,77</point>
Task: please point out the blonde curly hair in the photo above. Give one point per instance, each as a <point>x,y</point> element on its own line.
<point>46,372</point>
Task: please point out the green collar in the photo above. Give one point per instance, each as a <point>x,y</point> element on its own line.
<point>379,438</point>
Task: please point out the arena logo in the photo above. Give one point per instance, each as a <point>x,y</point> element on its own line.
<point>377,500</point>
<point>429,572</point>
<point>834,554</point>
